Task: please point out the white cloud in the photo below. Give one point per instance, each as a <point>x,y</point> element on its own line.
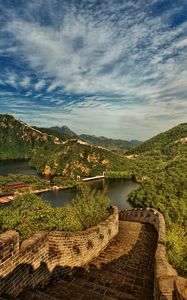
<point>54,85</point>
<point>40,85</point>
<point>131,60</point>
<point>11,80</point>
<point>25,82</point>
<point>28,94</point>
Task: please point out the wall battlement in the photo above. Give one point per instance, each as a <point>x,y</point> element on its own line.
<point>32,262</point>
<point>167,283</point>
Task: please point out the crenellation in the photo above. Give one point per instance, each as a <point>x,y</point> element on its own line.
<point>31,263</point>
<point>165,275</point>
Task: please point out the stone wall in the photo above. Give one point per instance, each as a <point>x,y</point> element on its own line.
<point>168,285</point>
<point>33,262</point>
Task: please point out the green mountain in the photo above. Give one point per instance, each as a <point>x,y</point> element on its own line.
<point>114,144</point>
<point>166,139</point>
<point>75,157</point>
<point>50,154</point>
<point>161,165</point>
<point>18,140</point>
<point>63,133</point>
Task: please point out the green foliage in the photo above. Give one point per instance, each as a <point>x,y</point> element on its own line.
<point>72,159</point>
<point>18,140</point>
<point>176,248</point>
<point>89,206</point>
<point>163,139</point>
<point>61,181</point>
<point>159,164</point>
<point>28,214</point>
<point>122,174</point>
<point>162,173</point>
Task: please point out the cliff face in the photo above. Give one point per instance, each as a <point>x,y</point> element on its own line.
<point>18,140</point>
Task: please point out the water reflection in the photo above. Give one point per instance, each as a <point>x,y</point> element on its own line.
<point>116,189</point>
<point>16,166</point>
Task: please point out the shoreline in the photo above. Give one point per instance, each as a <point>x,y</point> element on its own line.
<point>8,199</point>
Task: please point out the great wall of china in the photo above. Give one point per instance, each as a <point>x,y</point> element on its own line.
<point>121,258</point>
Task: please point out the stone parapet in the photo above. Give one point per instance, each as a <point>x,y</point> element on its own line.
<point>167,284</point>
<point>33,262</point>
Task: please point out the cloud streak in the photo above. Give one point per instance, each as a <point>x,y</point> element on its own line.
<point>130,56</point>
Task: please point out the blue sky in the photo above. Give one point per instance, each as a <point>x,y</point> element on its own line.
<point>116,68</point>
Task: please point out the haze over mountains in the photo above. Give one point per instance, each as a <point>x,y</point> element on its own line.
<point>114,144</point>
<point>60,151</point>
<point>50,154</point>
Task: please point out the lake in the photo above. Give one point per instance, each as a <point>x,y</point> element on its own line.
<point>15,166</point>
<point>117,191</point>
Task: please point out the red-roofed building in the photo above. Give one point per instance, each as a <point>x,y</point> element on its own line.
<point>13,185</point>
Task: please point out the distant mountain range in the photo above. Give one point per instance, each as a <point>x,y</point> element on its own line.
<point>51,154</point>
<point>105,142</point>
<point>60,151</point>
<point>65,133</point>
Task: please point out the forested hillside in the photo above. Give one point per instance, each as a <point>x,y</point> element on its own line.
<point>75,157</point>
<point>51,155</point>
<point>18,140</point>
<point>161,165</point>
<point>165,139</point>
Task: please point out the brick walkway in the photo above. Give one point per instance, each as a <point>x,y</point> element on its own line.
<point>124,271</point>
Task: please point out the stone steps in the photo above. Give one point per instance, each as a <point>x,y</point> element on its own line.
<point>124,271</point>
<point>38,295</point>
<point>79,289</point>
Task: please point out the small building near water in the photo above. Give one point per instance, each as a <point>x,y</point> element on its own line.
<point>13,185</point>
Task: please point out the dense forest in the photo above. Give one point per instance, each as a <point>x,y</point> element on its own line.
<point>160,164</point>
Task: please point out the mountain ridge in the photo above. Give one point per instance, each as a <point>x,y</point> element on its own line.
<point>19,140</point>
<point>162,139</point>
<point>50,155</point>
<point>64,132</point>
<point>110,143</point>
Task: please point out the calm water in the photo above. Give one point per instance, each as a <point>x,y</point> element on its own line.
<point>15,166</point>
<point>117,191</point>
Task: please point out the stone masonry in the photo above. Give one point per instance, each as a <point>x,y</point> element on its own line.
<point>59,265</point>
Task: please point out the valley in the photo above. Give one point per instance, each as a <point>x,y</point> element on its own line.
<point>158,165</point>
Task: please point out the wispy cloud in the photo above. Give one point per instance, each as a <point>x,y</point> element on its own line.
<point>40,85</point>
<point>129,56</point>
<point>25,82</point>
